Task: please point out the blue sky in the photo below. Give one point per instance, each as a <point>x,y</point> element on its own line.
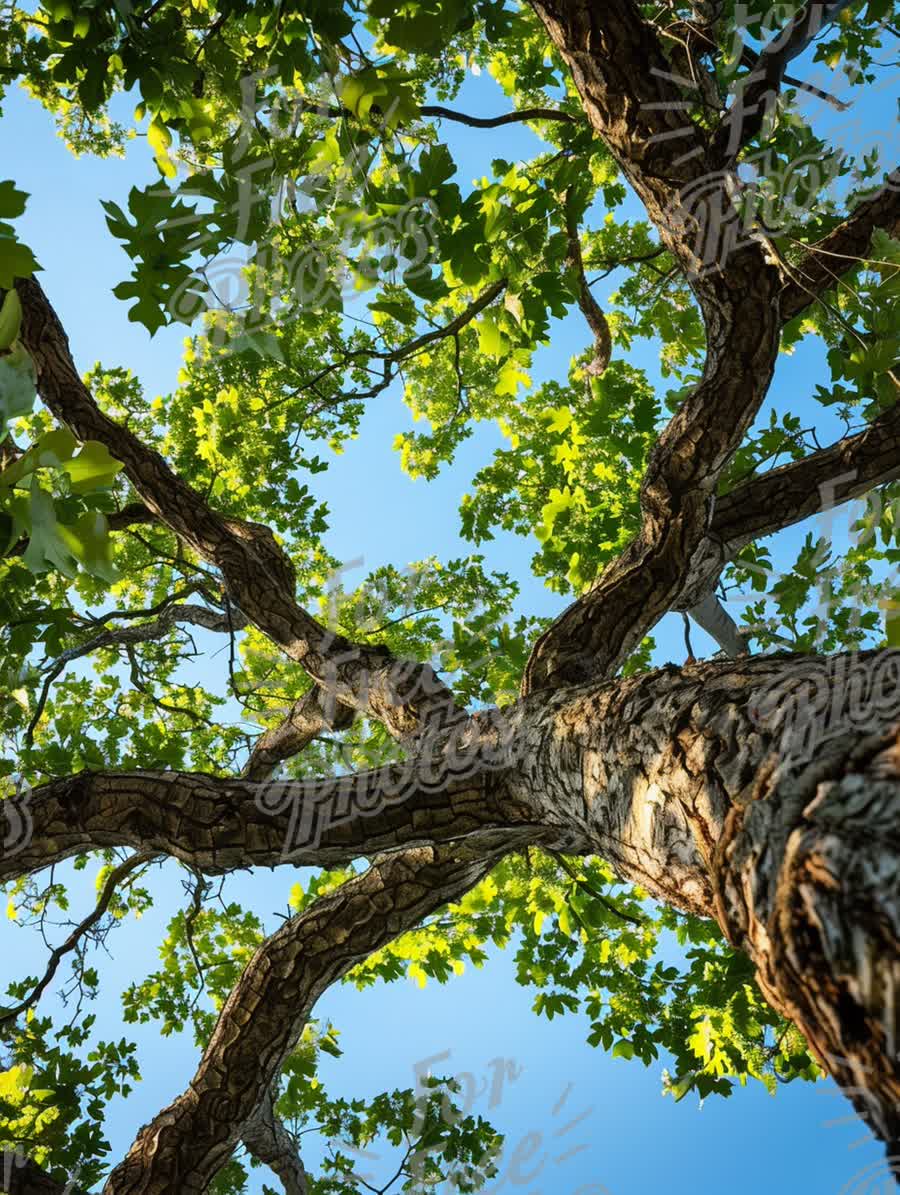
<point>636,1142</point>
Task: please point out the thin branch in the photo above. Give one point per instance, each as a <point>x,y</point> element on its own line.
<point>256,571</point>
<point>843,248</point>
<point>595,892</point>
<point>113,880</point>
<point>495,122</point>
<point>759,89</point>
<point>126,637</point>
<point>590,308</point>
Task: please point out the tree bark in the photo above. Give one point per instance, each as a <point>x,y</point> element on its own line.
<point>759,792</point>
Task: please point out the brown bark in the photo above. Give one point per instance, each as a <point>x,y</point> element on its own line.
<point>188,1142</point>
<point>258,575</point>
<point>760,792</point>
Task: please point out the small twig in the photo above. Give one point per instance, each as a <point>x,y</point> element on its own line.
<point>582,883</point>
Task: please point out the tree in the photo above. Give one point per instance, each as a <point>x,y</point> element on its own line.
<point>527,780</point>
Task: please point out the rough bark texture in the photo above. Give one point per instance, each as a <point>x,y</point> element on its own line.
<point>762,792</point>
<point>188,1142</point>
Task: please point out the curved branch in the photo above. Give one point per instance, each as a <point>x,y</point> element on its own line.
<point>595,635</point>
<point>216,825</point>
<point>442,113</point>
<point>268,1140</point>
<point>495,122</point>
<point>759,89</point>
<point>256,571</point>
<point>307,718</point>
<point>591,309</point>
<point>188,1142</point>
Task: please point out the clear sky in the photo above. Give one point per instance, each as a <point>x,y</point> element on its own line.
<point>633,1141</point>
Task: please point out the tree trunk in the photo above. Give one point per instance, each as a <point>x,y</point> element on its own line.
<point>763,793</point>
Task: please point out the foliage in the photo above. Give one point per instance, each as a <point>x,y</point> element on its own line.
<point>291,168</point>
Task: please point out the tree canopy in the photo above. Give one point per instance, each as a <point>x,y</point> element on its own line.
<point>190,684</point>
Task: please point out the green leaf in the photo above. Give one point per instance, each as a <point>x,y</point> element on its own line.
<point>93,469</point>
<point>10,319</point>
<point>17,388</point>
<point>12,201</point>
<point>490,339</point>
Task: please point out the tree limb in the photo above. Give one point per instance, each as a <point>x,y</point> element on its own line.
<point>267,1139</point>
<point>790,493</point>
<point>634,103</point>
<point>170,616</point>
<point>442,113</point>
<point>495,122</point>
<point>759,89</point>
<point>307,718</point>
<point>216,824</point>
<point>590,308</point>
<point>795,491</point>
<point>842,249</point>
<point>188,1142</point>
<point>113,880</point>
<point>257,573</point>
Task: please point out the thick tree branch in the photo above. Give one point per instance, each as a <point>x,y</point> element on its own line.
<point>267,1139</point>
<point>633,101</point>
<point>842,249</point>
<point>786,495</point>
<point>594,636</point>
<point>674,812</point>
<point>307,718</point>
<point>188,1142</point>
<point>631,98</point>
<point>257,573</point>
<point>759,89</point>
<point>216,825</point>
